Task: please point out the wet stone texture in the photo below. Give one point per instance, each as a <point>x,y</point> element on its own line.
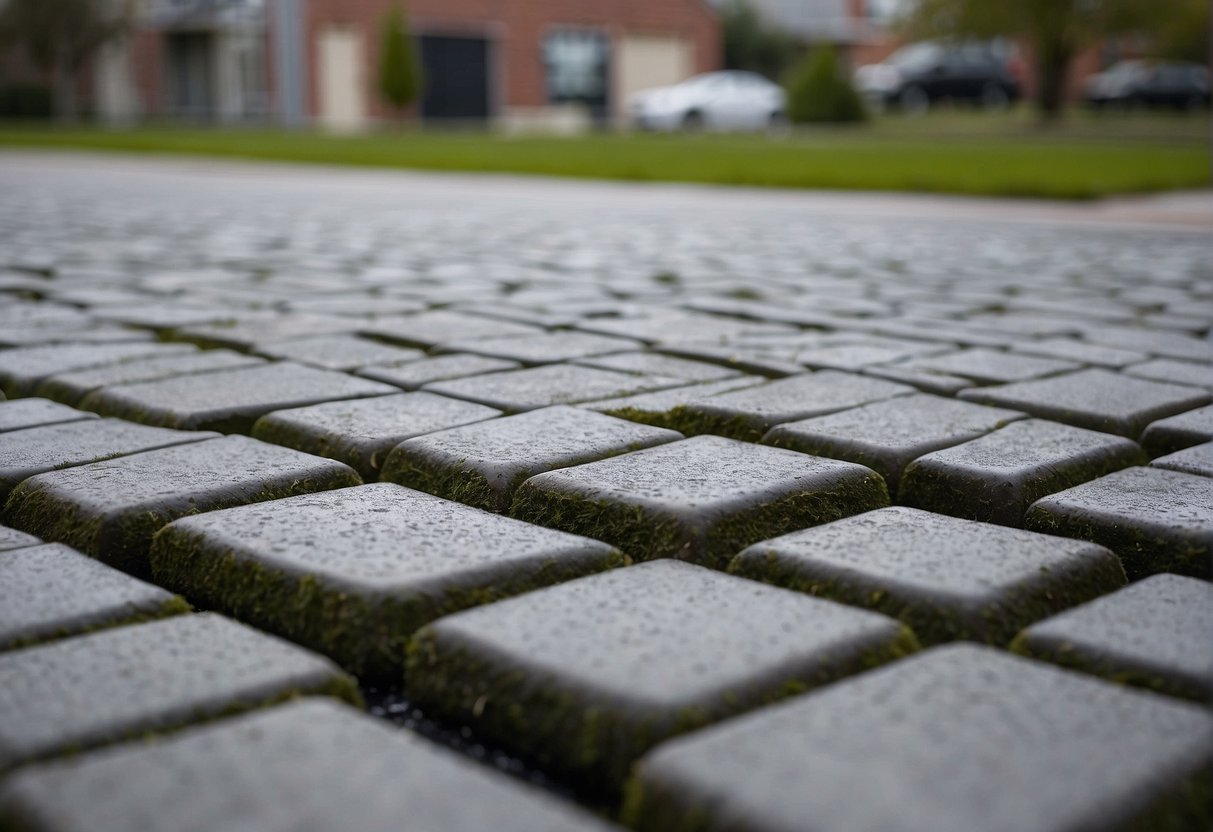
<point>588,675</point>
<point>31,413</point>
<point>995,478</point>
<point>362,432</point>
<point>485,463</point>
<point>72,387</point>
<point>887,436</point>
<point>931,730</point>
<point>354,572</point>
<point>94,690</point>
<point>1177,432</point>
<point>946,578</point>
<point>1152,634</point>
<point>229,401</point>
<point>52,591</point>
<point>750,412</point>
<point>1156,520</point>
<point>37,450</point>
<point>1195,460</point>
<point>1095,399</point>
<point>542,350</point>
<point>284,768</point>
<point>700,500</point>
<point>111,509</point>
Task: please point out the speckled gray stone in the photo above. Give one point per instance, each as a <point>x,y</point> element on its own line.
<point>1155,520</point>
<point>587,675</point>
<point>956,739</point>
<point>23,369</point>
<point>111,509</point>
<point>986,366</point>
<point>337,352</point>
<point>13,539</point>
<point>1176,372</point>
<point>701,499</point>
<point>1069,349</point>
<point>887,436</point>
<point>1195,460</point>
<point>354,572</point>
<point>1153,634</point>
<point>655,364</point>
<point>121,683</point>
<point>1176,432</point>
<point>750,412</point>
<point>362,432</point>
<point>414,374</point>
<point>543,348</point>
<point>660,408</point>
<point>51,591</point>
<point>483,464</point>
<point>72,387</point>
<point>248,329</point>
<point>1095,399</point>
<point>996,477</point>
<point>312,765</point>
<point>37,450</point>
<point>229,400</point>
<point>856,356</point>
<point>537,387</point>
<point>940,384</point>
<point>32,413</point>
<point>944,577</point>
<point>1154,342</point>
<point>429,329</point>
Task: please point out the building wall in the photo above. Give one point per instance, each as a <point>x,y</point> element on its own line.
<point>516,30</point>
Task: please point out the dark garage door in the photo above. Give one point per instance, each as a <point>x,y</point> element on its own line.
<point>456,77</point>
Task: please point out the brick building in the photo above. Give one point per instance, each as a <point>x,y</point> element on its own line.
<point>315,61</point>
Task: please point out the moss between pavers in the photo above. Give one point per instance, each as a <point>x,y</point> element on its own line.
<point>175,605</point>
<point>646,534</point>
<point>938,619</point>
<point>454,482</point>
<point>690,422</point>
<point>368,638</point>
<point>122,538</point>
<point>326,445</point>
<point>594,745</point>
<point>1141,553</point>
<point>998,500</point>
<point>1090,661</point>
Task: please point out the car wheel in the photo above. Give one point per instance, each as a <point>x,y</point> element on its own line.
<point>994,98</point>
<point>778,124</point>
<point>914,101</point>
<point>692,122</point>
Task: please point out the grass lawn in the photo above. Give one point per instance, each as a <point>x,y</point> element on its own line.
<point>949,153</point>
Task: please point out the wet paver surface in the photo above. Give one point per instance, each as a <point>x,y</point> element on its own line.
<point>701,510</point>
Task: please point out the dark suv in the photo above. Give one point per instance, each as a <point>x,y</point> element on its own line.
<point>1183,86</point>
<point>919,75</point>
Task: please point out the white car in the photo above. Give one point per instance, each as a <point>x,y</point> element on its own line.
<point>729,100</point>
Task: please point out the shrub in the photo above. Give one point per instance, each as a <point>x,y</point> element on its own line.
<point>26,101</point>
<point>818,92</point>
<point>399,67</point>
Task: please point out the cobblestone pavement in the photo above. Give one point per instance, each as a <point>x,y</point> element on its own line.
<point>363,500</point>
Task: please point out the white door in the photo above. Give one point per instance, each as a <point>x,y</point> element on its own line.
<point>647,61</point>
<point>342,86</point>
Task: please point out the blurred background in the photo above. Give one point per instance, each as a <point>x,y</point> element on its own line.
<point>1133,71</point>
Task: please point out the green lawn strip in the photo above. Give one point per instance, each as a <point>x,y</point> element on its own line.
<point>1053,165</point>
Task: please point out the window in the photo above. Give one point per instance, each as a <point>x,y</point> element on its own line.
<point>577,69</point>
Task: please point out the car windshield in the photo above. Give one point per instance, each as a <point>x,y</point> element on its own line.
<point>915,56</point>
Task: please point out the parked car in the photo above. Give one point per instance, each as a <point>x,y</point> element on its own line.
<point>919,75</point>
<point>729,100</point>
<point>1149,84</point>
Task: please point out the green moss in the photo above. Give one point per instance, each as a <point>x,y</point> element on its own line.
<point>691,422</point>
<point>937,617</point>
<point>645,534</point>
<point>454,482</point>
<point>366,635</point>
<point>319,444</point>
<point>592,741</point>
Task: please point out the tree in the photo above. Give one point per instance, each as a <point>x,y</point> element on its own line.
<point>819,92</point>
<point>61,36</point>
<point>399,68</point>
<point>751,43</point>
<point>1056,31</point>
<point>1183,34</point>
